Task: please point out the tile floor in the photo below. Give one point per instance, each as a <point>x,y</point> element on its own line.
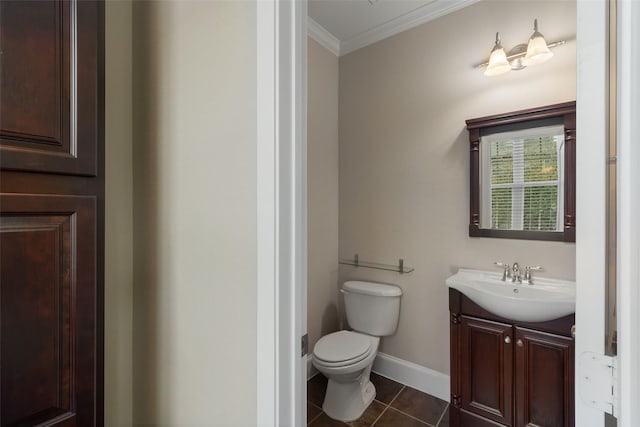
<point>396,405</point>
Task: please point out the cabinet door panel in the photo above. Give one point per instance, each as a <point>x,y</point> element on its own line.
<point>486,359</point>
<point>48,310</point>
<point>50,86</point>
<point>544,380</point>
<point>467,419</point>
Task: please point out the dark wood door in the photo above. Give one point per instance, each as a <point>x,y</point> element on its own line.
<point>486,369</point>
<point>543,379</point>
<point>51,212</point>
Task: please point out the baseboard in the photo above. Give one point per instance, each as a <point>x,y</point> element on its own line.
<point>419,377</point>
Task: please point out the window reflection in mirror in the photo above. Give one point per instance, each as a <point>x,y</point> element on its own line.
<point>523,174</point>
<point>522,179</point>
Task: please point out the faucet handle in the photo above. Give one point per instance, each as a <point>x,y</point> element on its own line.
<point>527,273</point>
<point>506,273</point>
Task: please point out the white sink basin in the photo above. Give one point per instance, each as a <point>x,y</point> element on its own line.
<point>546,299</point>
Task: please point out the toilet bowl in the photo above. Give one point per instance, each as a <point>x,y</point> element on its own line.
<point>346,357</point>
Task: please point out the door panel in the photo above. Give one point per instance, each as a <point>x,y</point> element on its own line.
<point>47,309</point>
<point>544,379</point>
<point>467,419</point>
<point>486,358</point>
<point>35,73</point>
<point>51,212</point>
<point>35,292</point>
<point>50,112</point>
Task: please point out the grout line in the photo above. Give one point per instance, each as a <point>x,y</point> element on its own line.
<point>379,416</point>
<point>316,417</point>
<point>397,394</point>
<point>388,405</point>
<point>442,415</point>
<point>411,416</point>
<point>314,405</point>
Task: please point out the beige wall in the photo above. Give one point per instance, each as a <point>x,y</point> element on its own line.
<point>322,183</point>
<point>194,213</point>
<point>118,217</point>
<point>404,156</point>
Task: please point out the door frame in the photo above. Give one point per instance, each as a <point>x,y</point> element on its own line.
<point>591,192</point>
<point>281,210</point>
<point>628,295</point>
<point>591,128</point>
<point>281,27</point>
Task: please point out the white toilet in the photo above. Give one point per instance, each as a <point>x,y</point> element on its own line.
<point>346,357</point>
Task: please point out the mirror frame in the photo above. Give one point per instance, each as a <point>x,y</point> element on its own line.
<point>484,125</point>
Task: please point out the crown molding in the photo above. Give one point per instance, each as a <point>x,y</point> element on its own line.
<point>322,36</point>
<point>424,14</point>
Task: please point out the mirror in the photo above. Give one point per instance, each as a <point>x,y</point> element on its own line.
<point>523,174</point>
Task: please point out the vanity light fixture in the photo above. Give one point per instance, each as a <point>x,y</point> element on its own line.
<point>535,52</point>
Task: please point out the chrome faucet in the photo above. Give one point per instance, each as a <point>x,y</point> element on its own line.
<point>515,273</point>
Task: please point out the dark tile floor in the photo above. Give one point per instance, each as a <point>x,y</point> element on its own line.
<point>396,405</point>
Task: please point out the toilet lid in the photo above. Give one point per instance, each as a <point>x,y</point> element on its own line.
<point>342,346</point>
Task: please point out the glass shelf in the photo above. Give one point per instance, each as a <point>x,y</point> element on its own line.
<point>398,268</point>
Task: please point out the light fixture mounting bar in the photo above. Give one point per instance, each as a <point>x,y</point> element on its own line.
<point>521,54</point>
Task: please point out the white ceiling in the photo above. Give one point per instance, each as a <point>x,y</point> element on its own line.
<point>347,25</point>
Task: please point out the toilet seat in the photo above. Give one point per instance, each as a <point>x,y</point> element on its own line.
<point>342,348</point>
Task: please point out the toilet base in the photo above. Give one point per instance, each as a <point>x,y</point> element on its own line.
<point>348,401</point>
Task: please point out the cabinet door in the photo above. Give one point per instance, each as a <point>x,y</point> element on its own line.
<point>51,213</point>
<point>543,379</point>
<point>47,310</point>
<point>486,359</point>
<point>51,109</point>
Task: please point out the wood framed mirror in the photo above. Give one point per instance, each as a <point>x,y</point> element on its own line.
<point>523,174</point>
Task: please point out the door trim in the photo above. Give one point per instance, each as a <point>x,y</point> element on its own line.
<point>628,299</point>
<point>281,212</point>
<point>590,191</point>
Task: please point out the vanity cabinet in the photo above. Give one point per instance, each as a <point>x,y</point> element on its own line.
<point>506,373</point>
<point>52,212</point>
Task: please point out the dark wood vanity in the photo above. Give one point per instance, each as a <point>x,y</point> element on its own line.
<point>506,373</point>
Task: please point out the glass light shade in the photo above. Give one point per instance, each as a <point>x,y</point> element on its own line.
<point>537,50</point>
<point>498,63</point>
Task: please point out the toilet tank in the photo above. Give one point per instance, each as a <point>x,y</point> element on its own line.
<point>372,308</point>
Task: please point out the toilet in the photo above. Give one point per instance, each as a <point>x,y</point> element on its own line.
<point>346,357</point>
